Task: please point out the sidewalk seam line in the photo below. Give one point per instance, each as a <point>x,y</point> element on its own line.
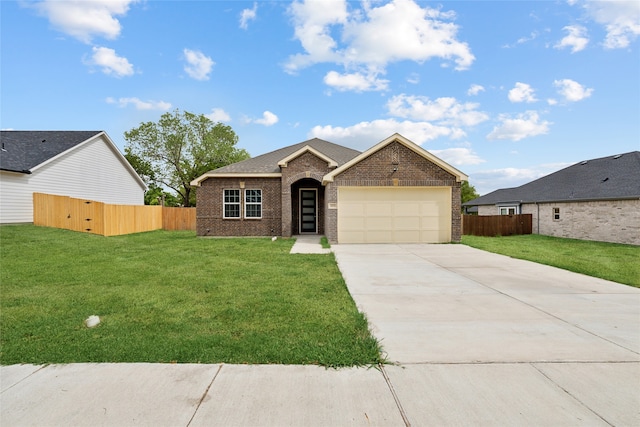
<point>395,396</point>
<point>204,395</point>
<point>570,394</point>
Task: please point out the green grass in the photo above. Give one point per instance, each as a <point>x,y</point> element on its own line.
<point>619,263</point>
<point>324,242</point>
<point>171,297</point>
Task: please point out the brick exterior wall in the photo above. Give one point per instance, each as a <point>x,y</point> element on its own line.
<point>209,208</point>
<point>377,171</point>
<point>615,221</point>
<point>280,196</point>
<point>305,171</point>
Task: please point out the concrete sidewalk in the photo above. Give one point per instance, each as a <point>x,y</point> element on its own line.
<point>476,339</point>
<point>308,244</point>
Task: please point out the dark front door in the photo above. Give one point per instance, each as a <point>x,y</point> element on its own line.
<point>308,210</point>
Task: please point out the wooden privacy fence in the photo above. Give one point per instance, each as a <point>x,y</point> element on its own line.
<point>94,217</point>
<point>496,225</point>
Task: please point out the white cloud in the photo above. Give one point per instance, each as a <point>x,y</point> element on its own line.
<point>576,39</point>
<point>369,38</point>
<point>355,81</point>
<point>198,64</point>
<point>458,156</point>
<point>522,126</point>
<point>248,15</point>
<point>522,92</point>
<point>110,62</point>
<point>219,115</point>
<point>445,111</point>
<point>268,119</point>
<point>140,105</point>
<point>85,19</point>
<point>572,91</point>
<point>414,78</point>
<point>362,134</point>
<point>621,19</point>
<point>475,89</point>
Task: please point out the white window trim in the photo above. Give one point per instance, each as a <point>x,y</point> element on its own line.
<point>225,203</point>
<point>252,203</point>
<point>516,209</point>
<point>553,214</point>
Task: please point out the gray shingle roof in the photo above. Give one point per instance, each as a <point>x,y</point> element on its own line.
<point>268,163</point>
<point>607,178</point>
<point>24,150</point>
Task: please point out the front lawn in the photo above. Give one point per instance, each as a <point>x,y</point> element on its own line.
<point>610,261</point>
<point>171,297</point>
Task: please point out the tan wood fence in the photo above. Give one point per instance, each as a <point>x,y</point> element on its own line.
<point>496,225</point>
<point>94,217</point>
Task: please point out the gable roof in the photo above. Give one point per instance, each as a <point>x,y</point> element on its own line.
<point>396,137</point>
<point>268,164</point>
<point>26,151</point>
<point>606,178</point>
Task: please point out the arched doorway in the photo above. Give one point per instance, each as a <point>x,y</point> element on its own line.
<point>307,207</point>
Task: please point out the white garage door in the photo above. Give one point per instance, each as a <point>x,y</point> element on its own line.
<point>394,214</point>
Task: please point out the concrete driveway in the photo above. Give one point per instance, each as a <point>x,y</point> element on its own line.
<point>475,334</point>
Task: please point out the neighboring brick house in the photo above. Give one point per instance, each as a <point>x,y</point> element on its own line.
<point>596,199</point>
<point>394,192</point>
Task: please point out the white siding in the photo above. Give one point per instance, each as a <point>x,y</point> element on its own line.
<point>90,171</point>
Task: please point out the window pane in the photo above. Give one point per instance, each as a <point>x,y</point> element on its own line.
<point>232,211</point>
<point>253,211</point>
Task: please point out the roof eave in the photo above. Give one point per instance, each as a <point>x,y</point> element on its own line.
<point>307,148</point>
<point>460,176</point>
<point>199,180</point>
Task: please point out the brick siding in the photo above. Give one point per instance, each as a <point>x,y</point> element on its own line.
<point>614,221</point>
<point>280,201</point>
<point>209,208</point>
<point>377,171</point>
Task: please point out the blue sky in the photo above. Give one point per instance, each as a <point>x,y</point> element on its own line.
<point>505,91</point>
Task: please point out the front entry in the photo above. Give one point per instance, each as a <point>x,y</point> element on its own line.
<point>308,210</point>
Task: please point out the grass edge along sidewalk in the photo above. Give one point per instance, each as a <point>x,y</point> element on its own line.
<point>170,297</point>
<point>609,261</point>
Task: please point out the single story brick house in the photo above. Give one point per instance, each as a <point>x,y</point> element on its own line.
<point>597,199</point>
<point>394,192</point>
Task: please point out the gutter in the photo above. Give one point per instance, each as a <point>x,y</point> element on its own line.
<point>24,171</point>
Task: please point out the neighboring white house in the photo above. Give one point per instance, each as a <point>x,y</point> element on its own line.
<point>80,164</point>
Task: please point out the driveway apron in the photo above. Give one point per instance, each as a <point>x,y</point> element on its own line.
<point>472,334</point>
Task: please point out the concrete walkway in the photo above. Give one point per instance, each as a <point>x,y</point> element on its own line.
<point>308,244</point>
<point>476,339</point>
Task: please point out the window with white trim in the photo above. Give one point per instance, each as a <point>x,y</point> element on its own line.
<point>556,214</point>
<point>509,210</point>
<point>231,204</point>
<point>253,203</point>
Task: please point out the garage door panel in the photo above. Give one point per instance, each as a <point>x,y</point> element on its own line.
<point>409,223</point>
<point>378,209</point>
<point>394,214</point>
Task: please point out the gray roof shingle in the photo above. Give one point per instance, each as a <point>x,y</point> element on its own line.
<point>268,163</point>
<point>23,150</point>
<point>607,178</point>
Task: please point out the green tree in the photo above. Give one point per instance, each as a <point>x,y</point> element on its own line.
<point>468,192</point>
<point>180,147</point>
<point>154,193</point>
